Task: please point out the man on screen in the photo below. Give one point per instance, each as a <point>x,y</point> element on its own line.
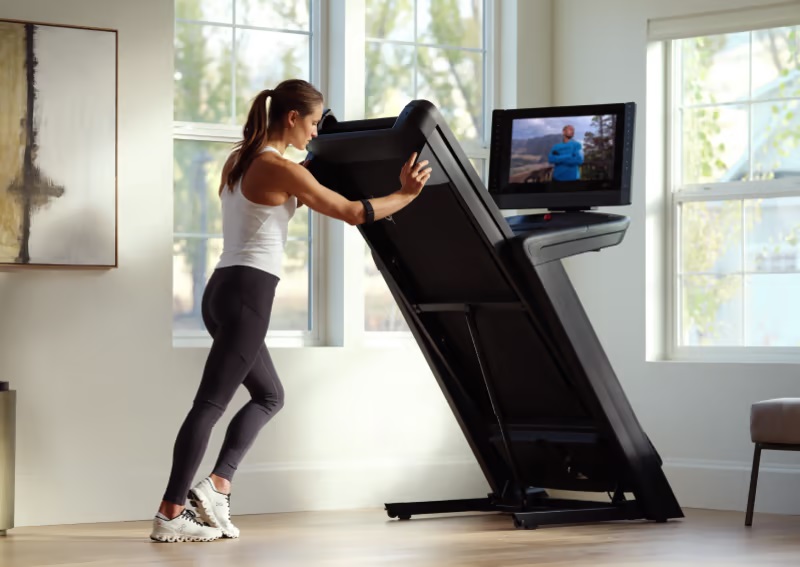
<point>566,157</point>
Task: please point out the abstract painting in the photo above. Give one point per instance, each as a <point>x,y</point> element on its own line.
<point>58,145</point>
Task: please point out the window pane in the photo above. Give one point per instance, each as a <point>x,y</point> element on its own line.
<point>776,139</point>
<point>452,79</point>
<point>203,73</point>
<point>298,226</point>
<point>380,309</point>
<point>217,11</point>
<point>194,259</point>
<point>275,14</point>
<point>776,63</point>
<point>715,68</point>
<point>769,299</point>
<point>290,310</point>
<point>389,81</point>
<point>712,310</point>
<point>390,19</point>
<point>264,59</point>
<point>456,23</point>
<point>772,230</point>
<point>711,237</point>
<point>479,165</point>
<point>714,144</point>
<point>198,166</point>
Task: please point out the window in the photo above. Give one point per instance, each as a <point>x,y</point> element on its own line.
<point>225,53</point>
<point>735,189</point>
<point>435,50</point>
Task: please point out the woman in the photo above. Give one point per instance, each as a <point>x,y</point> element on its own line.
<point>260,191</point>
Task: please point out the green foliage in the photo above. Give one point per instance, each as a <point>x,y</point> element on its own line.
<point>708,232</point>
<point>389,69</point>
<point>701,127</point>
<point>383,17</point>
<point>464,68</point>
<point>598,149</point>
<point>449,77</point>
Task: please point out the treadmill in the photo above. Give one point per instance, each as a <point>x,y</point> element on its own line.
<point>496,317</point>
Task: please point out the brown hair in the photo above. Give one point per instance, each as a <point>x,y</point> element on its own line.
<point>292,94</point>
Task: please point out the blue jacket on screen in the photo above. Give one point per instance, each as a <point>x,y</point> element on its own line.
<point>566,157</point>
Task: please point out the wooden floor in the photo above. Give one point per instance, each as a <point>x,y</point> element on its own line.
<point>369,537</point>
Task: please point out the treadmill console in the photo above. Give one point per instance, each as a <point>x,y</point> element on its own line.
<point>554,235</point>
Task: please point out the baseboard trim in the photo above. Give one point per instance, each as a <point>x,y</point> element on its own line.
<point>368,483</point>
<point>724,485</point>
<point>361,464</point>
<point>265,487</point>
<point>697,483</point>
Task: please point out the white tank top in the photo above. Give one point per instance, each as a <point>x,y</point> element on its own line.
<point>254,235</point>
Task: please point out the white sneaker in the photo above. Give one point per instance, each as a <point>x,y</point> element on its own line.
<point>213,507</point>
<point>184,527</point>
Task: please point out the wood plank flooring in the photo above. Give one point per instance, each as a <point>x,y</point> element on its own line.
<point>370,538</point>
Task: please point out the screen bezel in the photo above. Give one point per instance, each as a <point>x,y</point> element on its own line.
<point>581,195</point>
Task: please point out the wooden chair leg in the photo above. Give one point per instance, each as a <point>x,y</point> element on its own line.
<point>751,499</point>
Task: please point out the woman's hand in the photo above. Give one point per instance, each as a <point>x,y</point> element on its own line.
<point>413,177</point>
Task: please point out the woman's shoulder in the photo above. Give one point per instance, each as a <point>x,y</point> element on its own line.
<point>276,164</point>
<point>271,171</point>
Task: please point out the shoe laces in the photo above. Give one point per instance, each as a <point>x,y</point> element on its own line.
<point>228,500</point>
<point>192,517</point>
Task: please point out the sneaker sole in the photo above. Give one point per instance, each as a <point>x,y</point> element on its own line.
<point>203,507</point>
<point>167,538</point>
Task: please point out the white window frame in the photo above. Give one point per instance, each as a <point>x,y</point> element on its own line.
<point>670,31</point>
<point>231,134</point>
<point>474,149</point>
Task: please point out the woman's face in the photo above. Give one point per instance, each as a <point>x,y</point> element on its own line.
<point>305,128</point>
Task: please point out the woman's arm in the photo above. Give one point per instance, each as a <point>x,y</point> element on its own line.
<point>297,180</point>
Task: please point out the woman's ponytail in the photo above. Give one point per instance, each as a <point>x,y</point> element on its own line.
<point>254,135</point>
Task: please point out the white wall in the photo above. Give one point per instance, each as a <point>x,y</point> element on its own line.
<point>696,414</point>
<point>102,391</point>
<point>535,36</point>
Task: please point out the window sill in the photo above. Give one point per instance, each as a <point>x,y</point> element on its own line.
<point>733,355</point>
<point>202,340</point>
<point>377,339</point>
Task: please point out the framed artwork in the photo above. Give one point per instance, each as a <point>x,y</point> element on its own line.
<point>58,145</point>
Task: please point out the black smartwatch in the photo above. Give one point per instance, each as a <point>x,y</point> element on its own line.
<point>369,212</point>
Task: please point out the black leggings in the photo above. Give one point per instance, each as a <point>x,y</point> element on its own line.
<point>236,308</point>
